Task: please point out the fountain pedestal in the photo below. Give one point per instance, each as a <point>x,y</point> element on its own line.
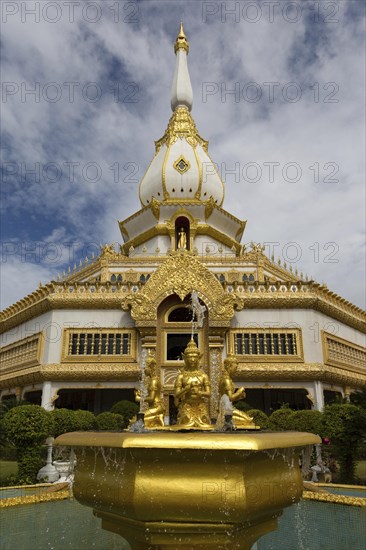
<point>188,489</point>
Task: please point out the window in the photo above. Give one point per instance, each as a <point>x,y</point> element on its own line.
<point>180,315</point>
<point>176,343</point>
<point>256,343</point>
<point>96,345</point>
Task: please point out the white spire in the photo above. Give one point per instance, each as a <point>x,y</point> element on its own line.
<point>182,95</point>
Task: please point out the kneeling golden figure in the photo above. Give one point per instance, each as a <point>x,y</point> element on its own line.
<point>226,386</point>
<point>154,414</point>
<point>192,390</point>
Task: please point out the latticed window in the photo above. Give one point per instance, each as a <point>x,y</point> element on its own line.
<point>103,343</point>
<point>277,343</point>
<point>340,352</point>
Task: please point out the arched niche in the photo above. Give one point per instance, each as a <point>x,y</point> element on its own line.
<point>182,233</point>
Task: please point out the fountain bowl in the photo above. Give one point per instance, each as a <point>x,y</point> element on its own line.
<point>188,489</point>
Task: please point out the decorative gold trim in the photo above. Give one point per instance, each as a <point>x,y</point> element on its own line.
<point>181,125</point>
<point>180,274</point>
<point>200,175</point>
<point>209,208</point>
<point>155,207</point>
<point>163,172</point>
<point>335,499</point>
<point>35,499</point>
<point>296,372</point>
<point>56,295</point>
<point>177,163</point>
<point>343,486</point>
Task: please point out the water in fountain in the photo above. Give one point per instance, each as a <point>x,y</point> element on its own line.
<point>138,426</point>
<point>215,378</point>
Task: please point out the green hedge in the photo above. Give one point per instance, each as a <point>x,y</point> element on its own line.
<point>126,409</point>
<point>307,421</point>
<point>66,420</point>
<point>260,418</point>
<point>281,420</point>
<point>109,421</point>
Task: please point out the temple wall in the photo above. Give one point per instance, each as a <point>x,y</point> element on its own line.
<point>53,323</point>
<point>311,323</point>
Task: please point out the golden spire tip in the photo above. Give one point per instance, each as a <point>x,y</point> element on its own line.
<point>181,41</point>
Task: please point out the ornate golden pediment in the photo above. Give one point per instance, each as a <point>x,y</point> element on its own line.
<point>181,274</point>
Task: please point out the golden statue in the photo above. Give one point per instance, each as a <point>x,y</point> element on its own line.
<point>227,387</point>
<point>192,390</point>
<point>154,414</point>
<point>182,239</point>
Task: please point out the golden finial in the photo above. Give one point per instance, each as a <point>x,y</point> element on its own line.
<point>181,43</point>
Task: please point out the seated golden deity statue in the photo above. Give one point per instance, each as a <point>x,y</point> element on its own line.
<point>192,390</point>
<point>154,414</point>
<point>227,387</point>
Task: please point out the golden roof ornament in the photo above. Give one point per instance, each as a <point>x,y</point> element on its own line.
<point>181,42</point>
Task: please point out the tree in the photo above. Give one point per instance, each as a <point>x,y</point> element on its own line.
<point>359,398</point>
<point>27,426</point>
<point>345,426</point>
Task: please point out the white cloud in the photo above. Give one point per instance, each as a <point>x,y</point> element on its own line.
<point>106,132</point>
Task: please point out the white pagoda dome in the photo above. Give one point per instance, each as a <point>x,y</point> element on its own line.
<point>181,168</point>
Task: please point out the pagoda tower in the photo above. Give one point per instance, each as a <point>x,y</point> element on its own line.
<point>80,341</point>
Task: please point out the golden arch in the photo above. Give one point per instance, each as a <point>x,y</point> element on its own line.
<point>181,274</point>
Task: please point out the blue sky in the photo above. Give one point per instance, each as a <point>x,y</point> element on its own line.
<point>289,142</point>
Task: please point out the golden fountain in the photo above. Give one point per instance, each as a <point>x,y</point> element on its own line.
<point>189,486</point>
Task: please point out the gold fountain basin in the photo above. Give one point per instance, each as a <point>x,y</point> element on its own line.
<point>188,489</point>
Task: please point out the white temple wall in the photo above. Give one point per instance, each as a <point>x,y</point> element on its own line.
<point>162,242</point>
<point>311,323</point>
<point>62,319</point>
<point>26,329</point>
<point>201,242</point>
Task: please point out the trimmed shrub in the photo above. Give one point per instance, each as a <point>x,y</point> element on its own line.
<point>109,421</point>
<point>281,419</point>
<point>28,423</point>
<point>66,420</point>
<point>126,409</point>
<point>63,421</point>
<point>260,418</point>
<point>27,426</point>
<point>307,421</point>
<point>84,421</point>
